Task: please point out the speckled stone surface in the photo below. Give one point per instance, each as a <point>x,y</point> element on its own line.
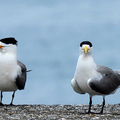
<point>58,112</point>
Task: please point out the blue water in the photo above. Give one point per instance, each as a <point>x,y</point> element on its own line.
<point>49,33</point>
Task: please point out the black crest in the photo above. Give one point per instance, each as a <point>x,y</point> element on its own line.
<point>86,42</point>
<point>9,40</point>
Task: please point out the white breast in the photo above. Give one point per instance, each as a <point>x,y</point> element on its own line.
<point>8,73</point>
<point>86,69</point>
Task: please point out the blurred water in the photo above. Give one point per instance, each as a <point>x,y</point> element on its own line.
<point>49,33</point>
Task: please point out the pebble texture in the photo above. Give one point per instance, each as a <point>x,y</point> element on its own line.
<point>58,112</point>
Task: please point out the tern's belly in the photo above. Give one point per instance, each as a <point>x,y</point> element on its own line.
<point>7,85</point>
<point>82,81</point>
<point>85,87</point>
<point>7,80</point>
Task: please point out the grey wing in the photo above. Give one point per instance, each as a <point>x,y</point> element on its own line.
<point>21,79</point>
<point>109,82</point>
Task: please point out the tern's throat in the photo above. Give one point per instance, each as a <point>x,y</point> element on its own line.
<point>85,65</point>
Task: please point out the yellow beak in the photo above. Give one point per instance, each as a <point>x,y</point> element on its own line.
<point>1,46</point>
<point>85,49</point>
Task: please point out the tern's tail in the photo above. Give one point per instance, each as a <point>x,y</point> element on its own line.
<point>117,71</point>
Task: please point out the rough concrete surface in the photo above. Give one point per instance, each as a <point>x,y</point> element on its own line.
<point>58,112</point>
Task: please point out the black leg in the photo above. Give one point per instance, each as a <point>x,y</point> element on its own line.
<point>90,103</point>
<point>12,98</point>
<point>103,105</point>
<point>1,99</point>
<point>1,96</point>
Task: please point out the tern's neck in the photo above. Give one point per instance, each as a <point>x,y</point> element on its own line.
<point>86,56</point>
<point>8,55</point>
<point>86,60</point>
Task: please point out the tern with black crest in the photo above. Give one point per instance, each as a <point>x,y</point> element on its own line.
<point>12,71</point>
<point>92,78</point>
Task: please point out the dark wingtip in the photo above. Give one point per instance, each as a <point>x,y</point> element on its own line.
<point>28,70</point>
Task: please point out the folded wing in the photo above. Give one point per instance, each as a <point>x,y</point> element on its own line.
<point>21,79</point>
<point>109,82</point>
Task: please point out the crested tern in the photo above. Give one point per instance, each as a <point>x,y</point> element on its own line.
<point>92,78</point>
<point>12,71</point>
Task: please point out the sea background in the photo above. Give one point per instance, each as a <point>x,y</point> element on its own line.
<point>49,33</point>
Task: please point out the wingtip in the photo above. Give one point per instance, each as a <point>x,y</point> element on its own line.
<point>28,70</point>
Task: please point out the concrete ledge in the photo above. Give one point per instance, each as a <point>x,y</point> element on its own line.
<point>58,112</point>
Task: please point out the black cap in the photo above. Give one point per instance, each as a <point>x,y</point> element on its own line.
<point>86,42</point>
<point>9,40</point>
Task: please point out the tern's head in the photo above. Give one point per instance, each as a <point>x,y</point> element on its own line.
<point>8,44</point>
<point>86,47</point>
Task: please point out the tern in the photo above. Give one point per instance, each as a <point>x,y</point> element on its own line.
<point>92,78</point>
<point>12,71</point>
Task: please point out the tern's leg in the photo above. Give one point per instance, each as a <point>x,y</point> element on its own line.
<point>1,99</point>
<point>90,103</point>
<point>103,104</point>
<point>12,98</point>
